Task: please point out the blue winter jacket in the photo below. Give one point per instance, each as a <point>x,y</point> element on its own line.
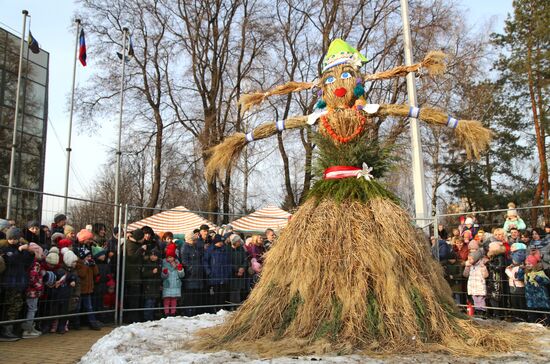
<point>17,265</point>
<point>171,281</point>
<point>217,264</point>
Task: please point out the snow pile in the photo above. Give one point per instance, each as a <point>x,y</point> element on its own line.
<point>161,342</point>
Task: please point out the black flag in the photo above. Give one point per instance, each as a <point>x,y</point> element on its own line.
<point>33,44</point>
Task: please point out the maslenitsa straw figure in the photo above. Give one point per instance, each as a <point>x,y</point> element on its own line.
<point>356,276</point>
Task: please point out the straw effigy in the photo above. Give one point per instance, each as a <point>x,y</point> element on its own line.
<point>350,272</point>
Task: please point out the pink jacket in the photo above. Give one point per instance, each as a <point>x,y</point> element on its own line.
<point>511,272</point>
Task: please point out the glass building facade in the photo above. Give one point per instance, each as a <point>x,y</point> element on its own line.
<point>31,127</point>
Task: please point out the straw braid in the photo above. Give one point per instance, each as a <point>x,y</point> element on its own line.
<point>227,152</point>
<point>471,134</point>
<point>249,100</point>
<point>434,63</point>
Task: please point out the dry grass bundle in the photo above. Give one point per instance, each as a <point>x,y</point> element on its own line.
<point>434,63</point>
<point>471,134</point>
<point>249,100</point>
<point>351,277</point>
<point>222,155</point>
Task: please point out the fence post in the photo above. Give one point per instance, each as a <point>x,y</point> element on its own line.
<point>123,272</point>
<point>436,236</point>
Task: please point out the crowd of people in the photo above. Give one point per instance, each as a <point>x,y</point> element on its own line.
<point>71,275</point>
<point>502,273</point>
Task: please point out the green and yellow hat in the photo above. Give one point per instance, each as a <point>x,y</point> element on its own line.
<point>339,52</point>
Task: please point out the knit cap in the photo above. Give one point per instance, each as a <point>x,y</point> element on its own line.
<point>518,246</point>
<point>53,256</point>
<point>473,245</point>
<point>84,235</point>
<point>13,233</point>
<point>234,238</point>
<point>82,252</point>
<point>56,237</point>
<point>64,243</point>
<point>69,258</point>
<point>98,251</point>
<point>532,259</point>
<point>4,224</point>
<point>68,229</point>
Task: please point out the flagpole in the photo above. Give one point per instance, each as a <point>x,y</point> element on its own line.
<point>417,159</point>
<point>118,153</point>
<point>68,149</point>
<point>14,141</point>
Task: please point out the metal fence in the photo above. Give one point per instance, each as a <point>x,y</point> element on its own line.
<point>134,277</point>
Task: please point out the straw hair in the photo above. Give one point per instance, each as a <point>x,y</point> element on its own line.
<point>434,63</point>
<point>347,277</point>
<point>249,100</point>
<point>471,134</point>
<point>224,154</point>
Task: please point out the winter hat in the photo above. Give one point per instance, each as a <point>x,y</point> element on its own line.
<point>89,227</point>
<point>477,255</point>
<point>137,234</point>
<point>13,233</point>
<point>234,238</point>
<point>469,221</point>
<point>517,246</point>
<point>111,282</point>
<point>33,223</point>
<point>84,235</point>
<point>64,243</point>
<point>532,260</point>
<point>217,239</point>
<point>155,252</point>
<point>512,212</point>
<point>4,224</point>
<point>171,251</point>
<point>37,250</point>
<point>518,256</point>
<point>473,245</point>
<point>49,278</point>
<point>58,218</point>
<point>53,256</point>
<point>68,229</point>
<point>69,258</point>
<point>83,251</point>
<point>98,251</point>
<point>496,248</point>
<point>56,237</point>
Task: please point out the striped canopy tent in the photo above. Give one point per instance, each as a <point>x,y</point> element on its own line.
<point>178,220</point>
<point>260,220</point>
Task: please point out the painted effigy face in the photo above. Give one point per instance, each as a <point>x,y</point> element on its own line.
<point>337,84</point>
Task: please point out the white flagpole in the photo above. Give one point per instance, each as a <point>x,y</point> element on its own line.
<point>118,153</point>
<point>14,141</point>
<point>417,159</point>
<point>68,149</point>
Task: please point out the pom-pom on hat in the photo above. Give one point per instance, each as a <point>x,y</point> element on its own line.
<point>13,233</point>
<point>69,258</point>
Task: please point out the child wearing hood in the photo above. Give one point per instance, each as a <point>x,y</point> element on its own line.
<point>517,286</point>
<point>476,272</point>
<point>536,289</point>
<point>172,274</point>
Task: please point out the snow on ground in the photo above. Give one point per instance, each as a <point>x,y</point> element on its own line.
<point>160,342</point>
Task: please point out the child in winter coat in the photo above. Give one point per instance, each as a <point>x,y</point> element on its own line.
<point>172,274</point>
<point>536,289</point>
<point>476,272</point>
<point>15,279</point>
<point>33,292</point>
<point>517,286</point>
<point>87,271</point>
<point>100,282</point>
<point>150,276</point>
<point>65,281</point>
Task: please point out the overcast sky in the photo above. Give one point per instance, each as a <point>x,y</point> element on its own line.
<point>52,25</point>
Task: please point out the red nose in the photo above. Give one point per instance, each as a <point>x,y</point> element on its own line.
<point>340,92</point>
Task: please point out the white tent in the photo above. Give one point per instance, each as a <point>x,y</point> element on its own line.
<point>258,221</point>
<point>178,220</point>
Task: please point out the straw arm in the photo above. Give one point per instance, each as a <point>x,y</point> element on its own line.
<point>471,134</point>
<point>223,155</point>
<point>433,63</point>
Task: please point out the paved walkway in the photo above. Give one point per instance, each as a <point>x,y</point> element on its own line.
<point>51,348</point>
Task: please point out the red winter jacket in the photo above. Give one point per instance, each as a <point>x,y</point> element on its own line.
<point>36,284</point>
